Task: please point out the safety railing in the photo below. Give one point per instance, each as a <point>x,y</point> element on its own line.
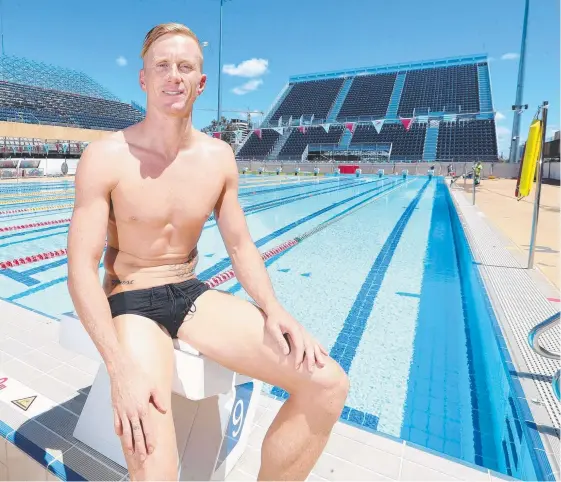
<point>534,342</point>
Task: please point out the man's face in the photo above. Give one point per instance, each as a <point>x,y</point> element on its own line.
<point>172,77</point>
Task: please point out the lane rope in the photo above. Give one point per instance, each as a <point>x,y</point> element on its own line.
<point>33,225</point>
<point>229,274</point>
<point>39,208</point>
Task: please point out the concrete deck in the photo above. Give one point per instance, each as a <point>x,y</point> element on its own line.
<point>495,198</point>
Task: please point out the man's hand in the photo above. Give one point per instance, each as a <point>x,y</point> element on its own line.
<point>131,394</point>
<point>279,322</point>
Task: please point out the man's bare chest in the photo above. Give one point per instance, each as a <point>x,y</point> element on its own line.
<point>176,199</point>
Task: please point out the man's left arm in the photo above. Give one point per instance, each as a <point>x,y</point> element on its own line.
<point>250,270</point>
<point>247,262</point>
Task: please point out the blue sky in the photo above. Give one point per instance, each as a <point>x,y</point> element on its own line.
<point>283,38</point>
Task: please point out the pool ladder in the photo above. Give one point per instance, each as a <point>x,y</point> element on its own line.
<point>534,342</point>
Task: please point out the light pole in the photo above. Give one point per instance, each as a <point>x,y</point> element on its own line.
<point>2,24</point>
<point>219,113</point>
<point>518,107</point>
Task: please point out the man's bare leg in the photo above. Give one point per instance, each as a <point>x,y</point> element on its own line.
<point>152,349</point>
<point>232,332</point>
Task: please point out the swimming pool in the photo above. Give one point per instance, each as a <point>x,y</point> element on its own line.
<point>378,269</point>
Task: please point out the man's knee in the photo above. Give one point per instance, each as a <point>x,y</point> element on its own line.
<point>330,387</point>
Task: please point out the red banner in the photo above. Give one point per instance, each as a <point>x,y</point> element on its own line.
<point>406,121</point>
<point>350,126</point>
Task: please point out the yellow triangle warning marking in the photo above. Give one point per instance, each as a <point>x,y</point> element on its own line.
<point>24,403</point>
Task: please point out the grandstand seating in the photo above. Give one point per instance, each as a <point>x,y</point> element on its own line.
<point>454,91</point>
<point>21,70</point>
<point>46,106</point>
<point>451,89</point>
<point>307,98</point>
<point>258,148</point>
<point>406,145</point>
<point>297,142</point>
<point>369,96</point>
<point>467,140</point>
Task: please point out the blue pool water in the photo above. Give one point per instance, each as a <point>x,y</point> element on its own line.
<point>382,276</point>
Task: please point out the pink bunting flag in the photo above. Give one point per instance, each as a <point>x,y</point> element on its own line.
<point>302,129</point>
<point>350,126</point>
<point>258,133</point>
<point>216,135</point>
<point>406,121</point>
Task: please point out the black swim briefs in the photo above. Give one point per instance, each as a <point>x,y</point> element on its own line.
<point>167,304</point>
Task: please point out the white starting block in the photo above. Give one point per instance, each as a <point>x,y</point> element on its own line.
<point>213,409</point>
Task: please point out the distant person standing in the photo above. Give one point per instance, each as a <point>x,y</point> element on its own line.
<point>477,169</point>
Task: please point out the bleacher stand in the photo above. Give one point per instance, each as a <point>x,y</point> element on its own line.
<point>407,145</point>
<point>307,98</point>
<point>447,105</point>
<point>467,140</point>
<point>451,89</point>
<point>39,93</point>
<point>45,106</point>
<point>258,148</point>
<point>369,96</point>
<point>297,141</point>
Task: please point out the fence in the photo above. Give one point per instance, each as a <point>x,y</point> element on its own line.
<point>497,169</point>
<point>46,167</point>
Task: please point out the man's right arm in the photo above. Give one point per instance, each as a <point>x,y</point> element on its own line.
<point>94,182</point>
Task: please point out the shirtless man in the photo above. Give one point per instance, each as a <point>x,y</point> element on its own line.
<point>149,189</point>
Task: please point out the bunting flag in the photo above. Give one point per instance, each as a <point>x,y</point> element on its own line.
<point>302,129</point>
<point>65,147</point>
<point>325,127</point>
<point>46,147</point>
<point>216,135</point>
<point>350,126</point>
<point>29,148</point>
<point>434,123</point>
<point>406,121</point>
<point>280,130</point>
<point>378,125</point>
<point>258,133</point>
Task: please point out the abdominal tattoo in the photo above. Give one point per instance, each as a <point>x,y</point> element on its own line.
<point>184,270</point>
<point>122,282</point>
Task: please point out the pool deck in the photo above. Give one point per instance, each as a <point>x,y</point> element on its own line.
<point>37,443</point>
<point>495,198</point>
